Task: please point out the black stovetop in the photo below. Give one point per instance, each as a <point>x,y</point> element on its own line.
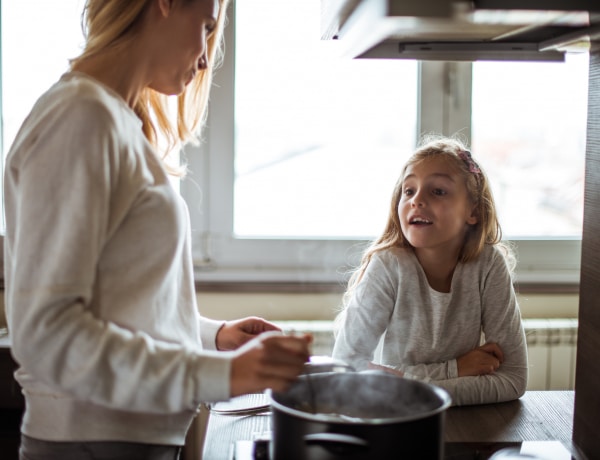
<point>259,450</point>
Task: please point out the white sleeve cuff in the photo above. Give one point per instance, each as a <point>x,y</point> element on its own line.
<point>452,369</point>
<point>208,332</point>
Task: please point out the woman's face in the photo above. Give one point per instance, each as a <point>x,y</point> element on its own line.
<point>434,209</point>
<point>180,43</point>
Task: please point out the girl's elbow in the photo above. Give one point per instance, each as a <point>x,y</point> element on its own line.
<point>522,387</point>
<point>519,384</point>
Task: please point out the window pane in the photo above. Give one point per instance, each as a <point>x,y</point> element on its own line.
<point>38,39</point>
<point>529,130</point>
<point>319,140</point>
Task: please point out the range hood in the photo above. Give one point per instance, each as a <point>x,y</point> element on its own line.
<point>533,30</point>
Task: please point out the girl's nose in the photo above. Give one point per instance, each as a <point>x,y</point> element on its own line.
<point>417,200</point>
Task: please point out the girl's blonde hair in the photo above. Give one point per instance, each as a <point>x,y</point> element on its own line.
<point>113,24</point>
<point>487,229</point>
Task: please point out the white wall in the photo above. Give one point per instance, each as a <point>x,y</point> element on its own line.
<point>323,306</point>
<point>278,306</point>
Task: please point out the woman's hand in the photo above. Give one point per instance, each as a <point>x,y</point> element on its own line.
<point>483,360</point>
<point>234,334</point>
<point>272,360</point>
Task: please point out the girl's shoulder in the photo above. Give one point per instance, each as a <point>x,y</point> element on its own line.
<point>499,252</point>
<point>492,257</point>
<point>396,257</point>
<point>489,252</point>
<point>392,267</point>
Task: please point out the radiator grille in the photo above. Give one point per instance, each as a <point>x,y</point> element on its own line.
<point>552,351</point>
<point>551,348</point>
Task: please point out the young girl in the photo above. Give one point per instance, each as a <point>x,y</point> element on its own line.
<point>437,285</point>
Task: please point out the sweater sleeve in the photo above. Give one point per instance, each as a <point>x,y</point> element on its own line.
<point>501,323</point>
<point>366,316</point>
<point>491,309</point>
<point>431,371</point>
<point>54,253</point>
<point>209,329</point>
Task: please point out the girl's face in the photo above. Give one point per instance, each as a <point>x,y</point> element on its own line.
<point>180,45</point>
<point>434,209</point>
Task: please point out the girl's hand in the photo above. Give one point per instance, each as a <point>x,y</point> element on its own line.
<point>234,334</point>
<point>271,360</point>
<point>483,360</point>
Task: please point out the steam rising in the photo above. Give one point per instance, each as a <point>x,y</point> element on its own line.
<point>366,397</point>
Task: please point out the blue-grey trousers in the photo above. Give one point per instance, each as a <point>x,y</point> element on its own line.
<point>35,449</point>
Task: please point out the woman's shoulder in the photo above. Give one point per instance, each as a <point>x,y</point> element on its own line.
<point>80,89</point>
<point>76,97</point>
<point>83,86</point>
<point>91,107</point>
<point>75,111</point>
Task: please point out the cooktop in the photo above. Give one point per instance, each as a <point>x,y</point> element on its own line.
<point>259,450</point>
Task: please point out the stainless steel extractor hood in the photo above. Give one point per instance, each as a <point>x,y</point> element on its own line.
<point>538,30</point>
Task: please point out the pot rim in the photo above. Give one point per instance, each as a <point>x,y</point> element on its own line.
<point>324,418</point>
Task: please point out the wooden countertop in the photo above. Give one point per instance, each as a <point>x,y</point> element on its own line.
<point>537,416</point>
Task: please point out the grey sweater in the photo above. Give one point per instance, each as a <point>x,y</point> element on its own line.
<point>425,330</point>
<point>100,291</point>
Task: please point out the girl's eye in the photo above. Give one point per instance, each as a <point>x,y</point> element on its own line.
<point>408,192</point>
<point>438,191</point>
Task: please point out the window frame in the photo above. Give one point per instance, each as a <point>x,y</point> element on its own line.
<point>444,106</point>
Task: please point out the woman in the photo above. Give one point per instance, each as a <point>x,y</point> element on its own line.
<point>114,358</point>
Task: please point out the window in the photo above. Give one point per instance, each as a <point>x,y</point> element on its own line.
<point>305,121</point>
<point>302,149</point>
<point>38,38</point>
<point>264,132</point>
<point>533,139</point>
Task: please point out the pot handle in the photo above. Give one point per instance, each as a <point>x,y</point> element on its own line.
<point>336,438</point>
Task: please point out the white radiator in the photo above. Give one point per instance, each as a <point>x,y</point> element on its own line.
<point>551,347</point>
<point>552,351</point>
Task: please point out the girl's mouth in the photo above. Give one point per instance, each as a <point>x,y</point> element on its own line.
<point>419,221</point>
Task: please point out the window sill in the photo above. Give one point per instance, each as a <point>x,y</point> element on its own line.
<point>290,287</point>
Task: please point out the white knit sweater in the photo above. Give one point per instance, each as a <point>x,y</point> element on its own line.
<point>425,330</point>
<point>99,280</point>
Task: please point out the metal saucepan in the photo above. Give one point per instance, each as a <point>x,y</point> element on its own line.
<point>358,415</point>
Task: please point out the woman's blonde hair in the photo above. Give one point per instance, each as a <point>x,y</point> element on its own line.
<point>112,24</point>
<point>487,229</point>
